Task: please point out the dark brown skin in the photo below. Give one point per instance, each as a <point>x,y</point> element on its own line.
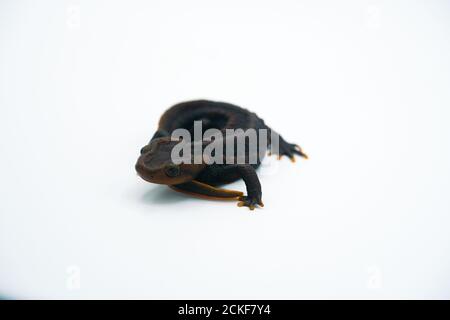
<point>155,164</point>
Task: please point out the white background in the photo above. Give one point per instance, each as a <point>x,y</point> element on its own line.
<point>363,86</point>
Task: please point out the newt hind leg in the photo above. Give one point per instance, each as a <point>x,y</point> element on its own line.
<point>287,149</point>
<point>203,190</point>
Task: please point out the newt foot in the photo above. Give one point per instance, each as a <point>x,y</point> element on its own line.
<point>250,202</point>
<point>289,150</point>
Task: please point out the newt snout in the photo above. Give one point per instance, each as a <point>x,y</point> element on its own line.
<point>155,164</point>
<point>142,171</point>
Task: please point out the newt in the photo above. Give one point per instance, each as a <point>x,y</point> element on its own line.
<point>203,178</point>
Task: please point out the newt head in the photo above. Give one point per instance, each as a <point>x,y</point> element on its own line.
<point>155,164</point>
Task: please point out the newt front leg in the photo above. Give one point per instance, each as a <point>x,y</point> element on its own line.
<point>254,194</point>
<point>243,171</point>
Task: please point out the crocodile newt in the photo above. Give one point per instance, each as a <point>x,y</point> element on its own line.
<point>202,178</point>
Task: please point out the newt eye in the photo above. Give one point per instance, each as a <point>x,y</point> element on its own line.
<point>148,148</point>
<point>172,171</point>
<point>145,149</point>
